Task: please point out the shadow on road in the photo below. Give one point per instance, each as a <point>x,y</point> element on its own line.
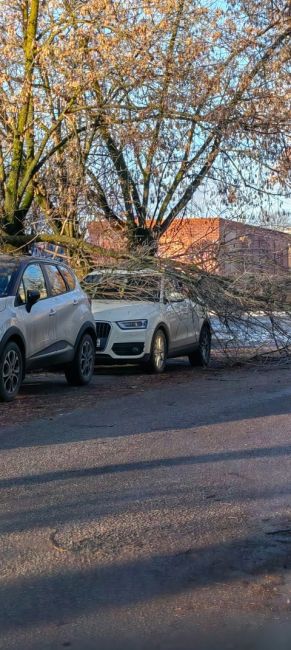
<point>145,465</point>
<point>67,594</point>
<point>45,394</point>
<point>204,399</point>
<point>93,504</point>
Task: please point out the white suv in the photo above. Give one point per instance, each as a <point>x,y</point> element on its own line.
<point>45,322</point>
<point>146,317</point>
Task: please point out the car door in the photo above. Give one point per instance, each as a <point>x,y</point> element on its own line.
<point>38,325</point>
<point>66,300</point>
<point>78,300</point>
<point>197,314</point>
<point>177,314</point>
<point>193,315</point>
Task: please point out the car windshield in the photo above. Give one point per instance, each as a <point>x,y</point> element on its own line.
<point>6,271</point>
<point>122,287</point>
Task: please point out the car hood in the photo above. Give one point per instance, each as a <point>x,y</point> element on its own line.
<point>113,310</point>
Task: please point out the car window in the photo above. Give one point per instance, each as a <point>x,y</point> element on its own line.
<point>123,287</point>
<point>6,271</point>
<point>21,294</point>
<point>32,280</point>
<point>174,291</point>
<point>69,277</point>
<point>56,280</point>
<point>142,288</point>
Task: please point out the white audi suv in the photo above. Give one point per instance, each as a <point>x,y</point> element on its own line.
<point>146,317</point>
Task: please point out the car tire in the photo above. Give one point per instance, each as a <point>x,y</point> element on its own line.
<point>80,371</point>
<point>158,355</point>
<point>11,372</point>
<point>201,355</point>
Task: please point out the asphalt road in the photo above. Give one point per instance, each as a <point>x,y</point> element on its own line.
<point>158,517</point>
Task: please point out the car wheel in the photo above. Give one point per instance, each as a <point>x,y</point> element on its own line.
<point>80,371</point>
<point>11,372</point>
<point>158,355</point>
<point>201,356</point>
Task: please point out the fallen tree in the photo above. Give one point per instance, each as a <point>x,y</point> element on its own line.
<point>250,311</point>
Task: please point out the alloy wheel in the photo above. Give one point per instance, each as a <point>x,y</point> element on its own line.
<point>205,345</point>
<point>87,358</point>
<point>11,371</point>
<point>159,351</point>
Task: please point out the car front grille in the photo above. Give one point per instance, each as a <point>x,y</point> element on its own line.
<point>102,331</point>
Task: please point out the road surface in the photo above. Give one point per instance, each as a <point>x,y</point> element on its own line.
<point>156,515</point>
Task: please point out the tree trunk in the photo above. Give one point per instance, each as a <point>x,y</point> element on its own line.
<point>142,241</point>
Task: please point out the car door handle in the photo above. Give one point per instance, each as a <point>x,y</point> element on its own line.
<point>52,312</point>
<point>75,301</point>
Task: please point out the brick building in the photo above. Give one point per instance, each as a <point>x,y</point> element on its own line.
<point>215,244</point>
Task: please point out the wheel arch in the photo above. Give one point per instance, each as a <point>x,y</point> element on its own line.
<point>206,323</point>
<point>15,335</point>
<point>87,328</point>
<point>162,326</point>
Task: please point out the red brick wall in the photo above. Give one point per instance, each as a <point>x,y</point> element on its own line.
<point>226,246</point>
<point>250,248</point>
<point>194,240</point>
<point>215,244</point>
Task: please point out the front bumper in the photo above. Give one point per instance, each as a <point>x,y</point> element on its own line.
<point>121,345</point>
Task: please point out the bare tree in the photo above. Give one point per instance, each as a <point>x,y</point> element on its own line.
<point>42,82</point>
<point>168,96</point>
<point>204,101</point>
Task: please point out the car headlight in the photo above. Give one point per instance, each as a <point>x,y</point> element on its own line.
<point>140,324</point>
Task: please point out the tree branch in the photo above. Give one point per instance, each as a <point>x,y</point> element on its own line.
<point>192,187</point>
<point>101,199</point>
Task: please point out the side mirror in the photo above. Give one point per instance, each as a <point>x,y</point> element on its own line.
<point>32,297</point>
